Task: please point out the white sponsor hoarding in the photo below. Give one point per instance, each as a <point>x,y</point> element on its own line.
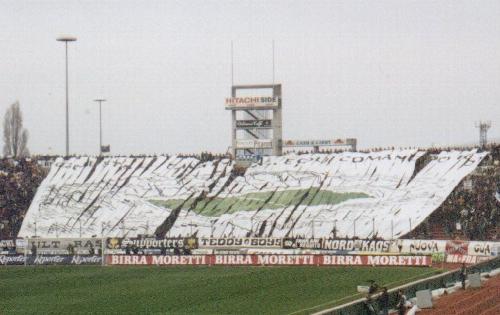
<point>254,143</point>
<point>250,102</point>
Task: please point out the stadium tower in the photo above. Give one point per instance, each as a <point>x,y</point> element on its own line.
<point>256,121</point>
<point>483,126</point>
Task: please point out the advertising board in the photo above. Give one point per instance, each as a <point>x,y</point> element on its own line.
<point>273,260</point>
<point>254,144</point>
<point>250,124</point>
<point>50,260</point>
<point>319,142</point>
<point>252,102</point>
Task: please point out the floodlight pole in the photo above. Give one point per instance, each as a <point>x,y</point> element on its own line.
<point>67,39</point>
<point>373,227</point>
<point>100,123</point>
<point>355,227</point>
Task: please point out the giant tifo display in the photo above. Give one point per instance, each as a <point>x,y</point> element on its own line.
<point>349,194</point>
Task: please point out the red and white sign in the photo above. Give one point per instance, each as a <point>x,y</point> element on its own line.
<point>272,260</point>
<point>457,247</point>
<point>467,259</point>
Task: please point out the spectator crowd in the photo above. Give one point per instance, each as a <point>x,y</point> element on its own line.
<point>470,212</point>
<point>19,180</point>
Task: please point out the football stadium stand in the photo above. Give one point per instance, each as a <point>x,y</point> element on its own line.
<point>381,194</point>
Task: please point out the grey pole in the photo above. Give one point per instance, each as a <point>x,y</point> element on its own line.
<point>373,227</point>
<point>67,101</point>
<point>100,123</point>
<point>251,227</point>
<point>67,39</point>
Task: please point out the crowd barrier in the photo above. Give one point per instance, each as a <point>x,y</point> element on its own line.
<point>431,283</point>
<point>223,260</point>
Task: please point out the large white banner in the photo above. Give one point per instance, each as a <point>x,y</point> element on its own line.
<point>348,195</point>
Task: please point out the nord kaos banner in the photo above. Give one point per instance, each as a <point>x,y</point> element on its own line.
<point>272,260</point>
<point>379,246</point>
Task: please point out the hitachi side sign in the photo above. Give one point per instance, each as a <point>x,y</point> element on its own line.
<point>249,102</point>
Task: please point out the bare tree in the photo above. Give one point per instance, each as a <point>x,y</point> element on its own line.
<point>14,135</point>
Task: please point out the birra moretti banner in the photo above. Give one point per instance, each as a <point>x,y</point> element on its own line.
<point>272,260</point>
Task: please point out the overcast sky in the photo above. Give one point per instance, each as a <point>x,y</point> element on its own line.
<point>390,73</point>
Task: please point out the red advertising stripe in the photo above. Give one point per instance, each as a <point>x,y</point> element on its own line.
<point>272,260</point>
<point>375,260</point>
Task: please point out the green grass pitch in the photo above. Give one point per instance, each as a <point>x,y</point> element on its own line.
<point>187,290</point>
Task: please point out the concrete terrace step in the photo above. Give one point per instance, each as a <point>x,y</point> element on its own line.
<point>484,303</point>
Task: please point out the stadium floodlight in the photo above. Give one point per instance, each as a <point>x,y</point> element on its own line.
<point>100,100</point>
<point>66,39</point>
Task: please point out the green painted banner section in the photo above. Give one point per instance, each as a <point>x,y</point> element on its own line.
<point>260,200</point>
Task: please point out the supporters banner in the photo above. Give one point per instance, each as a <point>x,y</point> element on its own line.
<point>240,242</point>
<point>454,247</point>
<point>64,246</point>
<point>457,247</point>
<point>419,246</point>
<point>7,243</point>
<point>272,260</point>
<point>379,246</point>
<point>151,242</point>
<point>479,248</point>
